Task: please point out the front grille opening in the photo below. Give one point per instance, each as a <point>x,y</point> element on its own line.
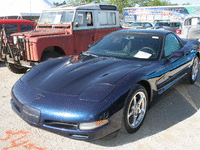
<point>63,125</point>
<point>16,106</point>
<point>44,26</point>
<point>61,27</point>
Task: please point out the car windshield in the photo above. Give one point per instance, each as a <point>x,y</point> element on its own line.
<point>127,45</point>
<point>162,24</point>
<point>60,17</point>
<point>137,24</point>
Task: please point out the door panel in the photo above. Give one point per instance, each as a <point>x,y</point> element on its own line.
<point>85,31</point>
<point>174,71</point>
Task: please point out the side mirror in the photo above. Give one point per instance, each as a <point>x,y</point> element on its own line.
<point>77,24</point>
<point>90,45</point>
<point>177,53</point>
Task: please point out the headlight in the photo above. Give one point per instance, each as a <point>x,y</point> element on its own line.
<point>92,125</point>
<point>14,39</point>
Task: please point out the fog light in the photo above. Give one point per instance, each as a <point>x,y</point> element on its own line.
<point>92,125</point>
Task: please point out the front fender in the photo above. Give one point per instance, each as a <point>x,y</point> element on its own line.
<point>64,42</point>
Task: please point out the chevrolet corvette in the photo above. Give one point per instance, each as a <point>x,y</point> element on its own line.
<point>107,88</point>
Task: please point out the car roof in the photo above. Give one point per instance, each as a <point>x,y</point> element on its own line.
<point>16,21</point>
<point>146,31</point>
<point>91,6</point>
<point>142,22</point>
<point>191,16</point>
<point>168,22</point>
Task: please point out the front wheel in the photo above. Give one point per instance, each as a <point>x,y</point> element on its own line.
<point>194,70</point>
<point>16,68</point>
<point>135,109</point>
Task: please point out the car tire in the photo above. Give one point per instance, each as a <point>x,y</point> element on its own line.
<point>16,68</point>
<point>47,55</point>
<point>194,70</point>
<point>135,108</point>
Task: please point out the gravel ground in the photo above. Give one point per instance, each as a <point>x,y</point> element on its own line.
<point>172,123</point>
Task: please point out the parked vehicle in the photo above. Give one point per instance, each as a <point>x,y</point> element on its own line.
<point>190,28</point>
<point>13,26</point>
<point>160,20</point>
<point>159,13</point>
<point>107,88</point>
<point>142,25</point>
<point>168,25</point>
<point>61,31</point>
<point>17,25</point>
<point>127,25</point>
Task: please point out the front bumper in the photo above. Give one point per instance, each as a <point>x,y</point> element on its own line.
<point>35,117</point>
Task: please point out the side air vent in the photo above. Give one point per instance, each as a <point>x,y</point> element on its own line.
<point>58,124</point>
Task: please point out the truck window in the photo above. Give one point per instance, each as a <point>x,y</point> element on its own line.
<point>25,27</point>
<point>12,28</point>
<point>192,21</point>
<point>84,19</point>
<point>59,17</point>
<point>89,19</point>
<point>107,18</point>
<point>67,17</point>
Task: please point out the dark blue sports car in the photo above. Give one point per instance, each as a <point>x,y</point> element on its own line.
<point>107,88</point>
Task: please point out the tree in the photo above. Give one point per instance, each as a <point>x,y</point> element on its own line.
<point>121,4</point>
<point>85,1</point>
<point>143,3</point>
<point>186,4</point>
<point>58,4</point>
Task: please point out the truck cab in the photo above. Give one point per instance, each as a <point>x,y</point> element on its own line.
<point>61,31</point>
<point>190,28</point>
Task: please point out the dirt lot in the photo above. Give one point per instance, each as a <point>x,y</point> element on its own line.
<point>173,123</point>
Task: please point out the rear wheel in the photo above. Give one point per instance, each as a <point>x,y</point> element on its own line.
<point>135,109</point>
<point>194,70</point>
<point>16,68</point>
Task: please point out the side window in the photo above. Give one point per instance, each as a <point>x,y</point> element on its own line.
<point>171,44</point>
<point>192,21</point>
<point>177,24</point>
<point>25,27</point>
<point>89,19</point>
<point>12,28</point>
<point>107,18</point>
<point>148,25</point>
<point>84,19</point>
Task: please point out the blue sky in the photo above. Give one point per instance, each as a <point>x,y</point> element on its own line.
<point>192,2</point>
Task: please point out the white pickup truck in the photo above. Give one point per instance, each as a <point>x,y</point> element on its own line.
<point>190,27</point>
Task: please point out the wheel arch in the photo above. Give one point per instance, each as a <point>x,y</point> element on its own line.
<point>198,55</point>
<point>148,88</point>
<point>56,49</point>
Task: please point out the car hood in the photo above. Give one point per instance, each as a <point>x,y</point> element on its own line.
<point>41,32</point>
<point>72,78</point>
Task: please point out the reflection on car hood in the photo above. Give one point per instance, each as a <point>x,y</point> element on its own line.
<point>73,78</point>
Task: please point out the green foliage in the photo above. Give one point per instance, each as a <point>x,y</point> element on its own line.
<point>186,4</point>
<point>58,4</point>
<point>83,1</point>
<point>123,3</point>
<point>143,3</point>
